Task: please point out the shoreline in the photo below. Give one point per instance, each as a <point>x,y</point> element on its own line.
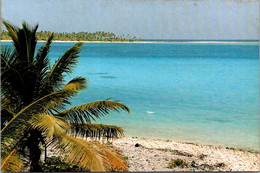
<point>201,143</point>
<point>144,154</point>
<point>163,42</point>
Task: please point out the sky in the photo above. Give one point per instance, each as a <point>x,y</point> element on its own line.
<point>146,19</point>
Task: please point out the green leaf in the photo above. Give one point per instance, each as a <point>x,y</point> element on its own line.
<point>96,130</point>
<point>90,111</point>
<point>64,64</point>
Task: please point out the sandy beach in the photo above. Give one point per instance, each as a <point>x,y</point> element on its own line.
<point>144,154</point>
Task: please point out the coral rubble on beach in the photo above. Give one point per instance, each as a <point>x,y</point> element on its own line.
<point>144,154</point>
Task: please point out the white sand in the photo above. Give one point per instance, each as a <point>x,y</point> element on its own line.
<point>155,155</point>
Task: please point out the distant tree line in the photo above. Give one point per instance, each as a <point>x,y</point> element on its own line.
<point>80,36</point>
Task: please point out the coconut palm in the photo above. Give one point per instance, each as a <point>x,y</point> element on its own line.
<point>33,108</point>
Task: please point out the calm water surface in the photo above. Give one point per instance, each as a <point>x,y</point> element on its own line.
<point>205,93</point>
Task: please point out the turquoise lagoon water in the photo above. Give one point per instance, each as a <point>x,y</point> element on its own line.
<point>203,93</point>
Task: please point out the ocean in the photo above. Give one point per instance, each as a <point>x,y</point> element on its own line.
<point>202,93</point>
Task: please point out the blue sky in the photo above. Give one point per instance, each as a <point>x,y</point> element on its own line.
<point>146,19</point>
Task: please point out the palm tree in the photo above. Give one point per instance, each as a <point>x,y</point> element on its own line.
<point>33,108</point>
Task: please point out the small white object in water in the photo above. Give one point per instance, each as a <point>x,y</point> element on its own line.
<point>149,112</point>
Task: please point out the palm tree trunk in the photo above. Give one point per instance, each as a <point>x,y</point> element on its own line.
<point>35,151</point>
<point>45,154</point>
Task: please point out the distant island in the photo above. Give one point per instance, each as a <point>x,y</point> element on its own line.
<point>80,36</point>
<point>101,36</point>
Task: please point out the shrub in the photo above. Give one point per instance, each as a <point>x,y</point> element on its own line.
<point>125,158</point>
<point>55,164</point>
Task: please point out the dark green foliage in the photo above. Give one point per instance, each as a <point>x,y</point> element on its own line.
<point>55,164</point>
<point>177,163</point>
<point>115,170</point>
<point>81,36</point>
<point>93,110</point>
<point>96,130</point>
<point>125,158</point>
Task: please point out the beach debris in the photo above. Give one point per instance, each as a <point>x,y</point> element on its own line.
<point>230,148</point>
<point>137,145</point>
<point>177,152</point>
<point>164,149</point>
<point>220,164</point>
<point>177,163</point>
<point>206,166</point>
<point>202,156</point>
<point>193,164</point>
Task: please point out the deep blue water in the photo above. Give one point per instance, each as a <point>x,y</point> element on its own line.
<point>205,93</point>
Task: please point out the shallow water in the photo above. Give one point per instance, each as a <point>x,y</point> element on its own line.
<point>206,93</point>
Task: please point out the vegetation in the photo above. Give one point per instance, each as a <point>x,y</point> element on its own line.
<point>177,163</point>
<point>33,101</point>
<point>55,164</point>
<point>80,36</point>
<point>125,158</point>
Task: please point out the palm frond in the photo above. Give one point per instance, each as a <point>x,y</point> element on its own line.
<point>10,79</point>
<point>7,57</point>
<point>7,111</point>
<point>24,41</point>
<point>90,111</point>
<point>7,145</point>
<point>15,75</point>
<point>5,102</point>
<point>44,50</point>
<point>80,151</point>
<point>42,65</point>
<point>113,158</point>
<point>64,64</point>
<point>40,106</point>
<point>96,130</point>
<point>78,83</point>
<point>12,31</point>
<point>19,76</point>
<point>44,123</point>
<point>28,41</point>
<point>8,70</point>
<point>11,162</point>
